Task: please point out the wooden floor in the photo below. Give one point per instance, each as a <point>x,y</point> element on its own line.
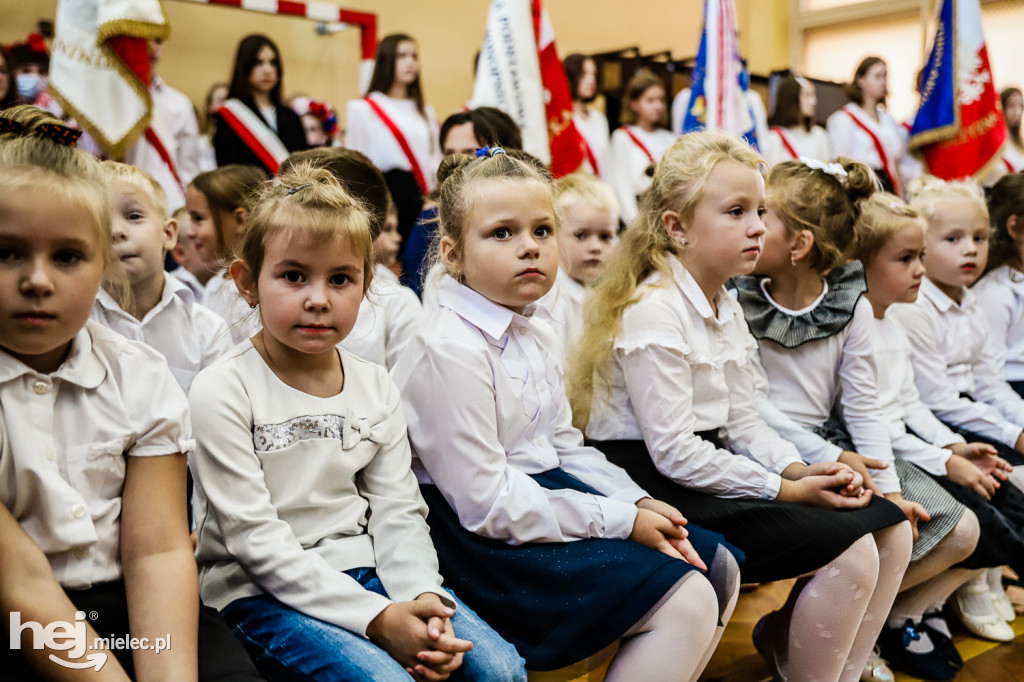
<point>735,660</point>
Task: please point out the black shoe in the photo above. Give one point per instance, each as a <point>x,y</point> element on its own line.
<point>764,642</point>
<point>894,643</point>
<point>942,642</point>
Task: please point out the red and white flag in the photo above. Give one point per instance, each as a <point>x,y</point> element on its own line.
<point>520,73</point>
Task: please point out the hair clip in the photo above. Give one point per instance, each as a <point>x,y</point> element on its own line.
<point>833,169</point>
<point>489,151</point>
<point>293,190</point>
<point>48,131</point>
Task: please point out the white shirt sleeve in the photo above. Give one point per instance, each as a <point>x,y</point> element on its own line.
<point>229,472</point>
<point>938,391</point>
<point>859,404</point>
<point>458,445</point>
<point>357,128</point>
<point>214,338</point>
<point>998,304</point>
<point>990,385</point>
<point>620,176</point>
<point>841,130</point>
<point>404,313</point>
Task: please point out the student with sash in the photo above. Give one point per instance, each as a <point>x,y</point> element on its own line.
<point>639,143</point>
<point>394,128</point>
<point>793,133</point>
<point>864,131</point>
<point>581,71</point>
<point>254,127</point>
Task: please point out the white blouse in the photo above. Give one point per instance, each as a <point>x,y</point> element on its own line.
<point>953,355</point>
<point>487,407</point>
<point>222,297</point>
<point>563,311</point>
<point>628,175</point>
<point>808,382</point>
<point>189,335</point>
<point>1000,295</point>
<point>901,403</point>
<point>64,438</point>
<point>677,369</point>
<point>812,144</point>
<point>367,133</point>
<point>293,489</point>
<point>389,315</point>
<point>594,129</point>
<point>849,139</point>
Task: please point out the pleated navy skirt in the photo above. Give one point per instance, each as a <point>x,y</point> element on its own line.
<point>560,603</point>
<point>780,539</point>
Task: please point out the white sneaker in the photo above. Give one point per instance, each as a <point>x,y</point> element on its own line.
<point>876,668</point>
<point>988,625</point>
<point>1004,607</point>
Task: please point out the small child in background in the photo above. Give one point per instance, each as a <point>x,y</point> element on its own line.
<point>589,224</point>
<point>216,207</point>
<point>162,311</point>
<point>390,313</point>
<point>312,533</point>
<point>191,270</point>
<point>890,242</point>
<point>1000,291</point>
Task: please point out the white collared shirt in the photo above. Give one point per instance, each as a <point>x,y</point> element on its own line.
<point>191,281</point>
<point>389,315</point>
<point>486,406</point>
<point>563,311</point>
<point>222,297</point>
<point>628,175</point>
<point>677,369</point>
<point>594,129</point>
<point>901,403</point>
<point>293,489</point>
<point>812,144</point>
<point>953,355</point>
<point>838,372</point>
<point>189,336</point>
<point>367,133</point>
<point>848,139</point>
<point>63,441</point>
<point>1000,295</point>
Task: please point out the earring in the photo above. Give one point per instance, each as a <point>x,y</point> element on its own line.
<point>792,260</point>
<point>252,305</point>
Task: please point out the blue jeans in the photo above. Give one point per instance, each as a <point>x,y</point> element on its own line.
<point>289,646</point>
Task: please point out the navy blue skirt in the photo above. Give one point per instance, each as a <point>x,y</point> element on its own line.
<point>560,603</point>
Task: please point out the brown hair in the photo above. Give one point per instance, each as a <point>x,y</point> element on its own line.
<point>573,65</point>
<point>384,69</point>
<point>1004,202</point>
<point>852,89</point>
<point>640,83</point>
<point>1014,131</point>
<point>226,190</point>
<point>245,61</point>
<point>305,202</point>
<point>807,198</point>
<point>881,216</point>
<point>787,112</point>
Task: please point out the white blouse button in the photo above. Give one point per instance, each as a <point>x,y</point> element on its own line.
<point>40,387</point>
<point>78,511</point>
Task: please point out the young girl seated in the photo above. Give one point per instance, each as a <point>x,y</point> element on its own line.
<point>1000,291</point>
<point>559,550</point>
<point>162,311</point>
<point>312,538</point>
<point>191,270</point>
<point>94,427</point>
<point>665,376</point>
<point>217,213</point>
<point>589,219</point>
<point>890,242</point>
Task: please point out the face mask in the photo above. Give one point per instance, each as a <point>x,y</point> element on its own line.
<point>30,85</point>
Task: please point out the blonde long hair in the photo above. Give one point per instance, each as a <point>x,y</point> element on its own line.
<point>645,248</point>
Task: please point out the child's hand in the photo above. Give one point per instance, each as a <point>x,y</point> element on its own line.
<point>854,488</point>
<point>653,530</point>
<point>445,657</point>
<point>682,546</point>
<point>913,510</point>
<point>961,470</point>
<point>985,457</point>
<point>861,464</point>
<point>824,491</point>
<point>403,630</point>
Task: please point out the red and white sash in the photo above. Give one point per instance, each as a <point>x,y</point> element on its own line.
<point>887,164</point>
<point>156,137</point>
<point>588,151</point>
<point>414,164</point>
<point>1010,168</point>
<point>638,143</point>
<point>786,142</point>
<point>255,133</point>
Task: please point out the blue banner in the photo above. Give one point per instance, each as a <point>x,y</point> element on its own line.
<point>937,114</point>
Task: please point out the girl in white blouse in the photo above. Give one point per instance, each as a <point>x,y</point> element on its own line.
<point>557,548</point>
<point>1000,291</point>
<point>864,131</point>
<point>310,523</point>
<point>665,378</point>
<point>890,242</point>
<point>93,428</point>
<point>793,131</point>
<point>395,128</point>
<point>581,72</point>
<point>640,142</point>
